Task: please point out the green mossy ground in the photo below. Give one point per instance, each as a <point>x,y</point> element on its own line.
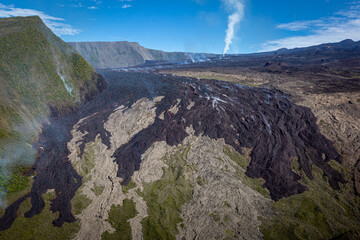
<point>214,216</point>
<point>17,181</point>
<point>31,57</point>
<point>226,204</point>
<point>229,234</point>
<point>119,217</point>
<point>84,167</point>
<point>319,213</point>
<point>12,197</point>
<point>129,186</point>
<point>87,162</point>
<point>243,160</point>
<point>200,181</point>
<point>39,226</point>
<point>81,68</point>
<point>98,190</point>
<point>79,202</point>
<point>165,197</point>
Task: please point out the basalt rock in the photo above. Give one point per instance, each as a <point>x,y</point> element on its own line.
<point>357,177</point>
<point>264,120</point>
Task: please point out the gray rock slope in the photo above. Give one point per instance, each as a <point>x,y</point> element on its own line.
<point>125,54</point>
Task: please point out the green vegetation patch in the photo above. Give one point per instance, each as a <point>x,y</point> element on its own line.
<point>129,186</point>
<point>200,181</point>
<point>31,58</point>
<point>226,218</point>
<point>119,217</point>
<point>214,216</point>
<point>84,167</point>
<point>226,204</point>
<point>79,202</point>
<point>10,113</point>
<point>17,180</point>
<point>98,189</point>
<point>87,162</point>
<point>319,213</point>
<point>326,127</point>
<point>39,226</point>
<point>229,234</point>
<point>81,68</point>
<point>243,160</point>
<point>12,197</point>
<point>29,70</point>
<point>165,197</point>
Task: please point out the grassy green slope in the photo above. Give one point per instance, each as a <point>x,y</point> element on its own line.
<point>38,72</point>
<point>320,212</point>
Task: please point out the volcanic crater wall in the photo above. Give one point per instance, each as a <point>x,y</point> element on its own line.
<point>264,120</point>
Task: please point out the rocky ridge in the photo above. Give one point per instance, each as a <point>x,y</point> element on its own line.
<point>126,54</point>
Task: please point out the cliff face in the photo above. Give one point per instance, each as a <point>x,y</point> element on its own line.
<point>39,75</point>
<point>125,54</point>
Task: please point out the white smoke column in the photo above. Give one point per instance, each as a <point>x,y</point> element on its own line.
<point>234,19</point>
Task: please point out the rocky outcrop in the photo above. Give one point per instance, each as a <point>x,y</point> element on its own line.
<point>222,205</point>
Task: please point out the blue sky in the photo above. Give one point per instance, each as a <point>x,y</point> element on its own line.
<point>197,25</point>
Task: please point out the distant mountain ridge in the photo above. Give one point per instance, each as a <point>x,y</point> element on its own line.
<point>347,45</point>
<point>126,54</point>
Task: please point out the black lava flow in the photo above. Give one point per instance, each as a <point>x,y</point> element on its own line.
<point>264,120</point>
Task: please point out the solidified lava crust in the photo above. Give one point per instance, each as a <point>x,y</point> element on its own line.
<point>264,120</point>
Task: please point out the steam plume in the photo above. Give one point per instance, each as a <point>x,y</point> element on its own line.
<point>237,7</point>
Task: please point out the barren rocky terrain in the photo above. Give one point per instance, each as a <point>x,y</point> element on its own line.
<point>125,54</point>
<point>236,148</point>
<point>331,91</point>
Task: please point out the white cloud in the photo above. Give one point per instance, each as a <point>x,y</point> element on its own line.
<point>299,25</point>
<point>126,6</point>
<point>53,23</point>
<point>344,24</point>
<point>200,2</point>
<point>79,5</point>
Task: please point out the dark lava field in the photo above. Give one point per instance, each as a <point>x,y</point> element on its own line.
<point>262,119</point>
